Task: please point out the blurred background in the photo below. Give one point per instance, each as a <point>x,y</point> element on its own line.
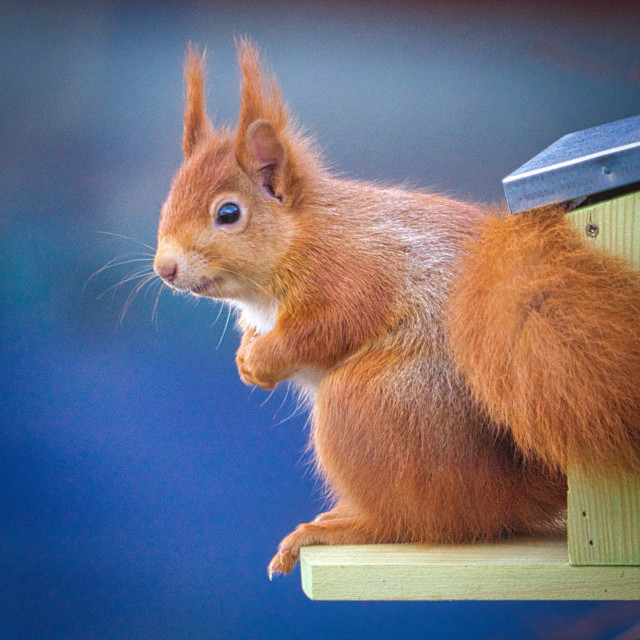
<point>143,487</point>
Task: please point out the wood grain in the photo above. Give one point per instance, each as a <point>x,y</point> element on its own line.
<point>533,569</point>
<point>603,515</point>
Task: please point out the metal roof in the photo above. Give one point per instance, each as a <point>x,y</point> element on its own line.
<point>577,165</point>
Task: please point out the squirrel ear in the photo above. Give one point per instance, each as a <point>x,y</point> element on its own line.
<point>260,147</point>
<point>197,126</point>
<point>267,147</point>
<point>266,154</point>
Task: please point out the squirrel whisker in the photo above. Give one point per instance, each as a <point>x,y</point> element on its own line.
<point>123,237</point>
<point>135,291</point>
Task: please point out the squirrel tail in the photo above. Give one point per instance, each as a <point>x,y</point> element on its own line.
<point>546,332</point>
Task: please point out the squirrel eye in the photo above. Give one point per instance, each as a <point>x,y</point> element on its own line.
<point>227,213</point>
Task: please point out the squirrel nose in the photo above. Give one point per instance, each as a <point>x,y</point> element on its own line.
<point>166,268</point>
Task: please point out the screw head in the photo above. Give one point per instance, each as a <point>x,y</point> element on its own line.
<point>606,169</point>
<point>592,229</point>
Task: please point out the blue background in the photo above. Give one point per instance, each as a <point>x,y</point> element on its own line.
<point>143,488</point>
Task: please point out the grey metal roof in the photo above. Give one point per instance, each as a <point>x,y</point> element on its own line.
<point>577,165</point>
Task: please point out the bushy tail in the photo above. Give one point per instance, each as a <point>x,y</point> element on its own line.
<point>547,333</point>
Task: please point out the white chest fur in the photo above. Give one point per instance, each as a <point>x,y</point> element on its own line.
<point>258,315</point>
<point>262,318</point>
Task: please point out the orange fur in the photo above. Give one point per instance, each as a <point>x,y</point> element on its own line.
<point>553,348</point>
<point>449,354</point>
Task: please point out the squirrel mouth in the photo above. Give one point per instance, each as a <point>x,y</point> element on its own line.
<point>205,284</point>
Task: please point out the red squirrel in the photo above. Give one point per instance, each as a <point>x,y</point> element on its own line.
<point>449,352</point>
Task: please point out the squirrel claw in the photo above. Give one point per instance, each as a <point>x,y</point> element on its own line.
<point>283,562</point>
<point>272,572</point>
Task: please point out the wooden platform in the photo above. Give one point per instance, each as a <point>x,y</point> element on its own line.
<point>533,569</point>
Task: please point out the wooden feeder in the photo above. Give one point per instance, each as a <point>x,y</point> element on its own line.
<point>596,172</point>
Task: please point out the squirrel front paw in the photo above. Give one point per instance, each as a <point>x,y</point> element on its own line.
<point>256,365</point>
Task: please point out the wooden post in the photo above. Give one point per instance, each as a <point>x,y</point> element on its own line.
<point>603,515</point>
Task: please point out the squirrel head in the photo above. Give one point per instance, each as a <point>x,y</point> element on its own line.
<point>231,212</point>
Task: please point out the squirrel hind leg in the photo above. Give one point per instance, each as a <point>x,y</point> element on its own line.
<point>546,334</point>
<point>329,528</point>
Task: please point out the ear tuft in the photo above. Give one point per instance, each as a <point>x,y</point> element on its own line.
<point>197,126</point>
<point>259,93</point>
